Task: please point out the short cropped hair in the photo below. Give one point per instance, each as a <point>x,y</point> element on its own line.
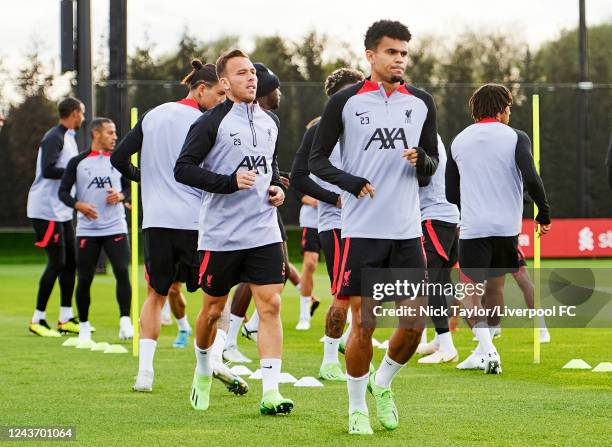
<point>225,57</point>
<point>98,123</point>
<point>489,100</point>
<point>67,106</point>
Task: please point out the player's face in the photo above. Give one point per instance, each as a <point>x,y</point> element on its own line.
<point>389,60</point>
<point>273,99</point>
<point>78,116</point>
<point>240,79</point>
<point>106,136</point>
<point>209,97</point>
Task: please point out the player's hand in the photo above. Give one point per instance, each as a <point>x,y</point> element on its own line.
<point>128,206</point>
<point>310,201</point>
<point>411,155</point>
<point>86,209</point>
<point>285,181</point>
<point>367,189</point>
<point>339,202</point>
<point>277,195</point>
<point>114,197</point>
<point>542,229</point>
<point>246,179</point>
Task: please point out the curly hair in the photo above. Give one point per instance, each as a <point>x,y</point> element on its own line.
<point>385,28</point>
<point>489,100</point>
<point>341,78</point>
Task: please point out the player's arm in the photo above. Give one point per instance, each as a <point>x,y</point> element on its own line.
<point>68,180</point>
<point>325,138</point>
<point>276,191</point>
<point>198,144</point>
<point>452,180</point>
<point>51,147</point>
<point>609,161</point>
<point>121,158</point>
<point>300,174</point>
<point>531,179</point>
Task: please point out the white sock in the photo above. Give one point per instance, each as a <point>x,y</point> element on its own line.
<point>124,322</point>
<point>270,373</point>
<point>304,308</point>
<point>65,314</point>
<point>183,324</point>
<point>542,322</point>
<point>424,336</point>
<point>253,323</point>
<point>166,310</point>
<point>482,333</point>
<point>146,354</point>
<point>386,371</point>
<point>445,341</point>
<point>493,329</point>
<point>232,333</point>
<point>217,346</point>
<point>330,350</point>
<point>38,315</point>
<point>357,387</point>
<point>84,330</point>
<point>203,360</point>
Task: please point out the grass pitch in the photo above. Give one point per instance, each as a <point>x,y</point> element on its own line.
<point>44,384</point>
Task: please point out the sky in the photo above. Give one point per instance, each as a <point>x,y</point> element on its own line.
<point>164,21</point>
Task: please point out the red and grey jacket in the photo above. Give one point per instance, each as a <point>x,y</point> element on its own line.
<point>373,128</point>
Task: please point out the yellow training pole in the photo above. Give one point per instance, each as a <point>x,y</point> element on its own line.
<point>134,240</point>
<point>536,234</point>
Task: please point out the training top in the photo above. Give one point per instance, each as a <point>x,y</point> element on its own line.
<point>488,163</point>
<point>308,216</point>
<point>373,129</point>
<point>57,147</point>
<point>159,136</point>
<point>329,216</point>
<point>434,205</point>
<point>229,138</point>
<point>92,174</point>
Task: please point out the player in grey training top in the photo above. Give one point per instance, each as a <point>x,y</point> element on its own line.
<point>485,172</point>
<point>388,146</point>
<point>52,220</point>
<point>98,198</point>
<point>230,153</point>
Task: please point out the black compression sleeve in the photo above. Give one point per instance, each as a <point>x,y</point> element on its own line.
<point>126,189</point>
<point>609,162</point>
<point>453,194</point>
<point>199,142</point>
<point>300,178</point>
<point>276,181</point>
<point>327,135</point>
<point>121,158</point>
<point>531,179</point>
<point>427,160</point>
<point>68,179</point>
<point>51,146</point>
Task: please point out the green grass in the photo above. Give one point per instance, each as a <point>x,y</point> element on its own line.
<point>45,384</point>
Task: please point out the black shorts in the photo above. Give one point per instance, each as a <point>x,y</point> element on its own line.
<point>331,242</point>
<point>488,257</point>
<point>310,240</point>
<point>170,255</point>
<point>281,225</point>
<point>221,270</point>
<point>361,253</point>
<point>440,242</point>
<point>521,257</point>
<point>50,233</point>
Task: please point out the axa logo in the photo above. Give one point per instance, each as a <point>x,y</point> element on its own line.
<point>100,182</point>
<point>254,162</point>
<point>384,138</point>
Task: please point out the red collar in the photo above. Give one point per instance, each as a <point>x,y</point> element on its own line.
<point>189,102</point>
<point>93,153</point>
<point>371,86</point>
<point>488,120</point>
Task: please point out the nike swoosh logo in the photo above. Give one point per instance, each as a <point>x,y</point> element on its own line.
<point>117,239</point>
<point>359,114</point>
<point>234,134</point>
<point>267,367</point>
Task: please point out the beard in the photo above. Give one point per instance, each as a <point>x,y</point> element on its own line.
<point>395,78</point>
